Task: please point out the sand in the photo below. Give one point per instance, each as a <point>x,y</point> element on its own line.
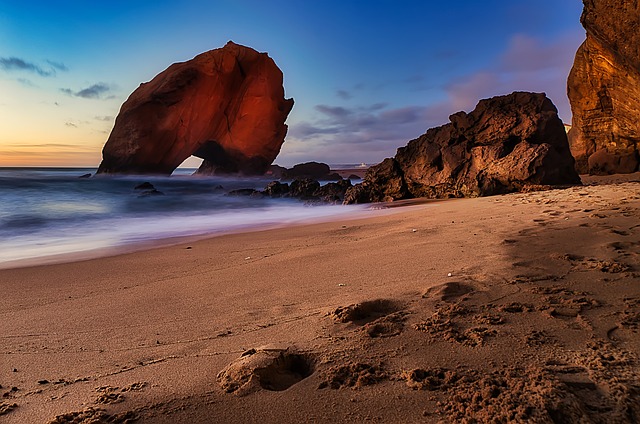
<point>515,308</point>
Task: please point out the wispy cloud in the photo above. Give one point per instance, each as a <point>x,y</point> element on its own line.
<point>95,91</point>
<point>70,124</point>
<point>343,94</point>
<point>374,131</point>
<point>58,65</point>
<point>103,118</point>
<point>527,64</point>
<point>55,146</point>
<point>340,133</point>
<point>44,155</point>
<point>18,64</point>
<point>26,82</point>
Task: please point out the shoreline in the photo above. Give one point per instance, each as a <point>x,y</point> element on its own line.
<point>399,317</point>
<point>123,249</point>
<point>55,240</point>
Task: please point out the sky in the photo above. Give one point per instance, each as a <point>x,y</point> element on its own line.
<point>366,76</point>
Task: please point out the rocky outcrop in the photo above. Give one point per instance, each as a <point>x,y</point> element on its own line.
<point>226,106</point>
<point>604,89</point>
<point>312,170</point>
<point>306,189</point>
<point>508,143</point>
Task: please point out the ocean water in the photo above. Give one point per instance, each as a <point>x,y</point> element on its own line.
<point>51,211</point>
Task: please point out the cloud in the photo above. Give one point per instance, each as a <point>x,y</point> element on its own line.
<point>333,111</point>
<point>527,54</point>
<point>339,134</point>
<point>58,65</point>
<point>26,82</point>
<point>93,92</point>
<point>373,131</point>
<point>527,64</point>
<point>464,93</point>
<point>343,94</point>
<point>18,64</point>
<point>103,118</point>
<point>34,155</point>
<point>38,146</point>
<point>96,91</point>
<point>70,124</point>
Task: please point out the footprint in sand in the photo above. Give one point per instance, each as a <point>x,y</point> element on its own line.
<point>355,375</point>
<point>5,407</point>
<point>603,381</point>
<point>431,379</point>
<point>449,292</point>
<point>605,266</point>
<point>620,232</point>
<point>95,415</point>
<point>561,302</point>
<point>511,395</point>
<point>364,312</point>
<point>444,324</point>
<point>379,318</point>
<point>631,315</point>
<point>624,246</point>
<point>516,308</point>
<point>552,212</point>
<point>109,395</point>
<point>536,338</point>
<point>268,369</point>
<point>597,264</point>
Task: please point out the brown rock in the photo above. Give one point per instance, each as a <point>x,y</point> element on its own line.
<point>604,89</point>
<point>312,170</point>
<point>226,106</point>
<point>382,182</point>
<point>508,143</point>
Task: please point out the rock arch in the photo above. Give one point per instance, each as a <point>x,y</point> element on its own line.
<point>226,106</point>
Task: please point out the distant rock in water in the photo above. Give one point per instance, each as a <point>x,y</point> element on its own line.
<point>604,89</point>
<point>506,144</point>
<point>144,186</point>
<point>147,189</point>
<point>226,106</point>
<point>311,170</point>
<point>306,189</point>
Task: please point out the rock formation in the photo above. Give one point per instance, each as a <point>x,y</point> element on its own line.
<point>306,189</point>
<point>604,89</point>
<point>226,106</point>
<point>506,144</point>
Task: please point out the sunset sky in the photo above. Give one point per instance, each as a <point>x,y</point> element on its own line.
<point>366,76</point>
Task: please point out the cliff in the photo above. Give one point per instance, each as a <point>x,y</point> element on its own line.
<point>604,89</point>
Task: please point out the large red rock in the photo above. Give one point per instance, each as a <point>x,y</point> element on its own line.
<point>604,89</point>
<point>226,106</point>
<point>506,144</point>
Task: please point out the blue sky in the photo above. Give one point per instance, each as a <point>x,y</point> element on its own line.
<point>366,76</point>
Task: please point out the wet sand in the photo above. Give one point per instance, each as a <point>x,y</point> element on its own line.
<point>522,308</point>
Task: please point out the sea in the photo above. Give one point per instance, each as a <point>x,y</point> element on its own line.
<point>48,214</point>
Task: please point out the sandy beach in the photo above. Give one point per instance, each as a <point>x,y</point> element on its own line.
<point>515,308</point>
